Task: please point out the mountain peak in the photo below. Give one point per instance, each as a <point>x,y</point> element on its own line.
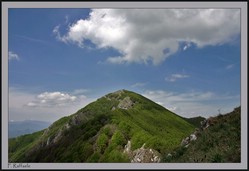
<point>122,98</point>
<point>117,93</point>
<point>99,132</point>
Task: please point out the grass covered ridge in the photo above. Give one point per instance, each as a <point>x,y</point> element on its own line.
<point>99,132</point>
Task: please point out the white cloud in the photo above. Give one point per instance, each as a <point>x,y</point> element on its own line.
<point>193,103</point>
<point>58,35</point>
<point>175,77</point>
<point>230,66</point>
<point>144,35</point>
<point>31,104</point>
<point>52,99</point>
<point>13,56</point>
<point>47,106</point>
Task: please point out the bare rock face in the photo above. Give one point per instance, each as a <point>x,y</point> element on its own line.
<point>123,102</point>
<point>145,156</point>
<point>128,147</point>
<point>142,155</point>
<point>53,140</point>
<point>126,103</point>
<point>205,124</point>
<point>192,137</point>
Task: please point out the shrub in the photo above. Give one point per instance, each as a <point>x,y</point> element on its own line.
<point>117,156</point>
<point>94,158</point>
<point>102,142</point>
<point>118,138</point>
<point>217,158</point>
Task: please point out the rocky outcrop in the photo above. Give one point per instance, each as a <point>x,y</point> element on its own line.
<point>126,103</point>
<point>128,147</point>
<point>54,139</point>
<point>123,102</point>
<point>205,124</point>
<point>142,155</point>
<point>192,137</point>
<point>185,142</point>
<point>209,122</point>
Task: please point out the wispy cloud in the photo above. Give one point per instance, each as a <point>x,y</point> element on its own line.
<point>138,85</point>
<point>230,66</point>
<point>13,56</point>
<point>174,77</point>
<point>34,40</point>
<point>229,63</point>
<point>56,31</point>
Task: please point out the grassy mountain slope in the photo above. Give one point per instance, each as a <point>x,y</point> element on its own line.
<point>99,132</point>
<point>220,142</point>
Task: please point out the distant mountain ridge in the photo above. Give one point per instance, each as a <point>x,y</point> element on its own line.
<point>17,128</point>
<point>196,121</point>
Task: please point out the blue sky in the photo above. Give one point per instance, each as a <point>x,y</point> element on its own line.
<point>62,59</point>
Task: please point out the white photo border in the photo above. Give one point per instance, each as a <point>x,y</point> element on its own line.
<point>122,4</point>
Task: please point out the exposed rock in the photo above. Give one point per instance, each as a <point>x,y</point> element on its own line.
<point>126,103</point>
<point>123,102</point>
<point>192,137</point>
<point>75,120</point>
<point>185,141</point>
<point>128,147</point>
<point>204,125</point>
<point>47,130</point>
<point>57,137</point>
<point>67,126</point>
<point>142,155</point>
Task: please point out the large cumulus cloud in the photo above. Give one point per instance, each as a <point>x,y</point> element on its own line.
<point>144,35</point>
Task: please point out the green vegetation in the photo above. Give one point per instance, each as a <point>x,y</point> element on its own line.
<point>18,145</point>
<point>220,142</point>
<point>99,132</point>
<point>118,138</point>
